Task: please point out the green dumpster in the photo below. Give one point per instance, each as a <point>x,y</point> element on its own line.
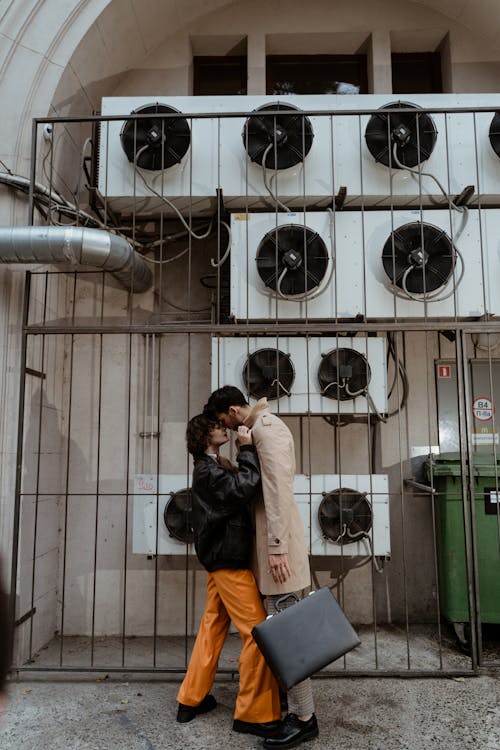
<point>447,481</point>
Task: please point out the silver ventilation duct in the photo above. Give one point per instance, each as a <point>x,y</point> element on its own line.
<point>77,245</point>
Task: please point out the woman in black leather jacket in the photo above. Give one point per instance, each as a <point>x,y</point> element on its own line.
<point>221,517</point>
<point>221,494</point>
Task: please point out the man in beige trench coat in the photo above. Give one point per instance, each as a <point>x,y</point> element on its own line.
<point>281,563</point>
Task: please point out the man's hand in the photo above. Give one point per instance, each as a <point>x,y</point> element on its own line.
<point>279,568</point>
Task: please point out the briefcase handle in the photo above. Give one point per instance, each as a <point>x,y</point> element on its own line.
<point>278,603</point>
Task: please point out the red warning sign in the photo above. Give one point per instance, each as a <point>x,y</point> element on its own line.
<point>483,409</point>
<point>444,371</point>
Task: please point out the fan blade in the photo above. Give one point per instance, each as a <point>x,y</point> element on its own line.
<point>263,358</point>
<point>330,508</point>
<point>268,262</point>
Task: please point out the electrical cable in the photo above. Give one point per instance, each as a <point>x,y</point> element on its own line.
<point>268,187</point>
<point>166,200</point>
<point>217,264</point>
<point>438,296</point>
<point>161,261</point>
<point>324,284</point>
<point>400,371</point>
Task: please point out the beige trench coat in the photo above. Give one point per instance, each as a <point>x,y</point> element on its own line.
<point>278,525</point>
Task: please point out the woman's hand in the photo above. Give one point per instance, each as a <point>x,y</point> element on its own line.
<point>244,435</point>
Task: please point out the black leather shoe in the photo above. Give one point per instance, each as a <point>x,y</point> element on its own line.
<point>188,713</point>
<point>293,732</point>
<point>266,729</point>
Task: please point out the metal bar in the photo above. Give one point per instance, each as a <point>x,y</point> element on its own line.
<point>31,194</point>
<point>126,495</point>
<point>186,558</point>
<point>422,488</point>
<point>269,329</point>
<point>155,385</point>
<point>19,454</point>
<point>362,674</point>
<point>403,509</point>
<point>270,113</point>
<point>37,480</point>
<point>66,481</point>
<point>27,615</point>
<point>468,496</point>
<point>35,373</point>
<point>98,484</point>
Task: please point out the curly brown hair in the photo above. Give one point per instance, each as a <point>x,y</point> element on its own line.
<point>198,431</point>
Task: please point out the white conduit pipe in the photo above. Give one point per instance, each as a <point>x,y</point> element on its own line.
<point>77,245</point>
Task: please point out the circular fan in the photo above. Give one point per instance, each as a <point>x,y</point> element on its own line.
<point>292,259</point>
<point>269,373</point>
<point>343,374</point>
<point>414,135</point>
<point>344,515</point>
<point>178,516</point>
<point>418,258</point>
<point>162,142</point>
<point>284,139</point>
<point>495,133</point>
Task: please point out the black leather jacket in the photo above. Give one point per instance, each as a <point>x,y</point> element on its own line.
<point>221,516</point>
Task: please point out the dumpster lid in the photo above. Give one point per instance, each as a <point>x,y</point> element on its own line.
<point>448,464</point>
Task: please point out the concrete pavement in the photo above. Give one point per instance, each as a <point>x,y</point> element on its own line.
<point>353,714</point>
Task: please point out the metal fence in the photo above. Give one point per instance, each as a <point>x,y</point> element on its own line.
<point>353,284</point>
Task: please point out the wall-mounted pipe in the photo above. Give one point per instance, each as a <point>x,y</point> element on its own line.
<point>77,245</point>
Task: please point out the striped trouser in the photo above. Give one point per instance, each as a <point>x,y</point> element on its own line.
<point>300,697</point>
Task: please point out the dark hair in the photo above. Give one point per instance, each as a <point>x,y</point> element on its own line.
<point>221,399</point>
<point>198,431</point>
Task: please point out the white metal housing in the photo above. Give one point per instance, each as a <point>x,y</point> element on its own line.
<point>251,298</point>
<point>229,356</point>
<point>191,185</point>
<point>309,494</point>
<point>462,154</point>
<point>148,508</point>
<point>338,157</point>
<point>311,182</point>
<point>366,233</point>
<point>151,494</point>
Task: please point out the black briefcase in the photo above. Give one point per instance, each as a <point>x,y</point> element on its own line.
<point>302,639</point>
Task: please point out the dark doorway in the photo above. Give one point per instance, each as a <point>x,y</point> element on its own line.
<point>315,74</point>
<point>223,76</point>
<point>416,73</point>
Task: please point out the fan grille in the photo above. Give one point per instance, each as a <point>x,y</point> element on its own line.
<point>343,374</point>
<point>284,139</point>
<point>494,133</point>
<point>178,516</point>
<point>418,258</point>
<point>292,259</point>
<point>344,515</point>
<point>161,141</point>
<point>270,373</point>
<point>414,135</point>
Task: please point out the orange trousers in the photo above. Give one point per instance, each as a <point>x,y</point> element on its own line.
<point>232,595</point>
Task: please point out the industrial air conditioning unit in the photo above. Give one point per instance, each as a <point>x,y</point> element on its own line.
<point>345,514</point>
<point>161,519</point>
<point>401,155</point>
<point>276,155</point>
<point>285,265</point>
<point>433,264</point>
<point>313,375</point>
<point>162,155</point>
<point>487,130</point>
